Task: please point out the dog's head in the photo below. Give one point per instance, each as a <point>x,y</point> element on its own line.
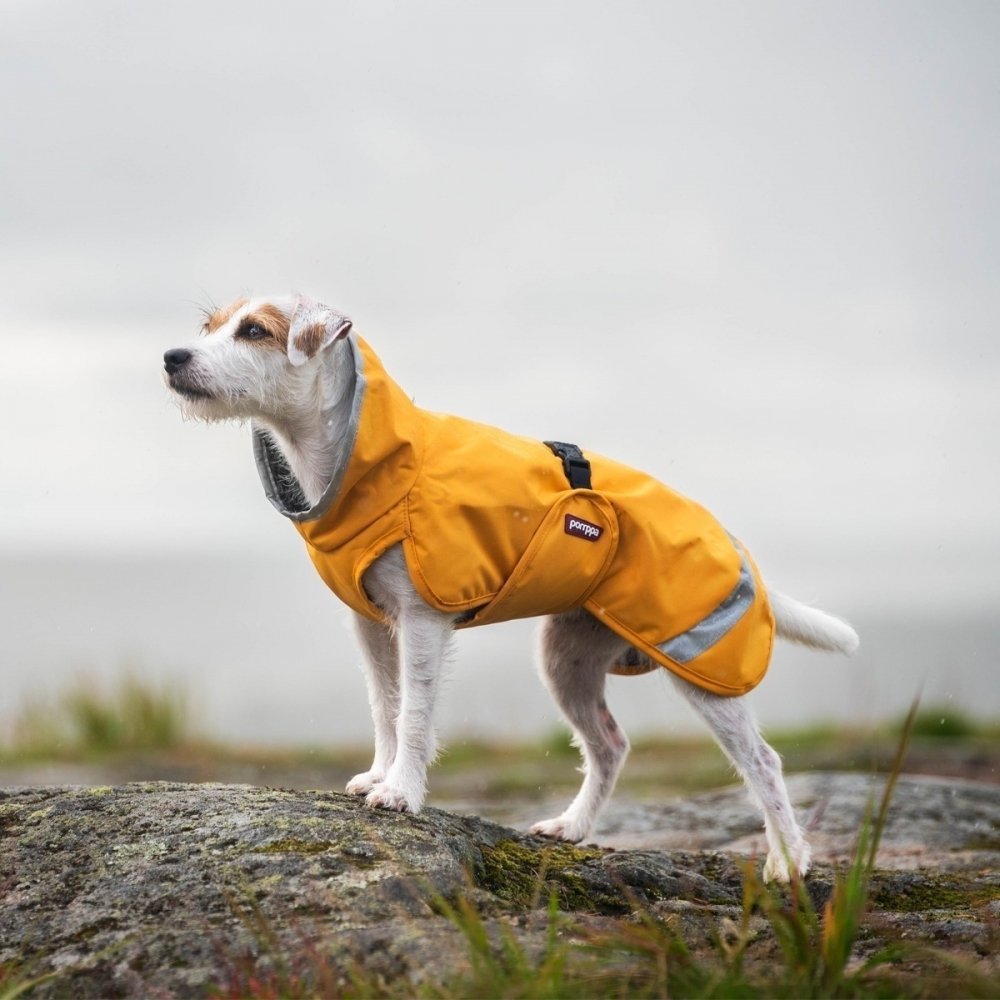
<point>254,358</point>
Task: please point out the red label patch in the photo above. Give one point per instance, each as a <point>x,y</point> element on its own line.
<point>582,529</point>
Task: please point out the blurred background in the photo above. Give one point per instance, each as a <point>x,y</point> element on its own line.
<point>749,248</point>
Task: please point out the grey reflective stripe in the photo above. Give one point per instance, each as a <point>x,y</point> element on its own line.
<point>696,640</point>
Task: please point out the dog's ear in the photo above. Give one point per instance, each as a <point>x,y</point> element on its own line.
<point>314,327</point>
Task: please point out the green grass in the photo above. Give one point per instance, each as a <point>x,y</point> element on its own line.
<point>942,722</point>
<point>16,980</point>
<point>94,719</point>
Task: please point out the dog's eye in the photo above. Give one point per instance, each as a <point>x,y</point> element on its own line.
<point>252,331</point>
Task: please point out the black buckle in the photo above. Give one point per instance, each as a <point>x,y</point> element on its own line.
<point>576,467</point>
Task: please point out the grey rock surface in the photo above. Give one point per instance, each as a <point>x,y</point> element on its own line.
<point>164,889</point>
<point>937,822</point>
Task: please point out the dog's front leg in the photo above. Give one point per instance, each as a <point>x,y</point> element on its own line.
<point>381,657</point>
<point>424,634</point>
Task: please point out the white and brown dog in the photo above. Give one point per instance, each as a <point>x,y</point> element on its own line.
<point>289,365</point>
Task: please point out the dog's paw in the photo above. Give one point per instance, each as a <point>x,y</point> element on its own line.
<point>386,796</point>
<point>561,828</point>
<point>362,784</point>
<point>776,866</point>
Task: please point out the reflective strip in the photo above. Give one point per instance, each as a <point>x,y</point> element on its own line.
<point>685,647</point>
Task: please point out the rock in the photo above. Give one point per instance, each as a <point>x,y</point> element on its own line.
<point>937,822</point>
<point>170,889</point>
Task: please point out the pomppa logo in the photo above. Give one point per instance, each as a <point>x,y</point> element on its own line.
<point>582,529</point>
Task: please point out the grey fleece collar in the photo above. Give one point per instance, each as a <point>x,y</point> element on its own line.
<point>279,482</point>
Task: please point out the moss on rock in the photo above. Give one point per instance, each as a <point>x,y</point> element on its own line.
<point>526,875</point>
<point>916,892</point>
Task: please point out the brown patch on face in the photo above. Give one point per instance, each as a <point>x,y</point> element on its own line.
<point>220,317</point>
<point>310,340</point>
<point>272,319</point>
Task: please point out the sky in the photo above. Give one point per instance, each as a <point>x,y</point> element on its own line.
<point>750,248</point>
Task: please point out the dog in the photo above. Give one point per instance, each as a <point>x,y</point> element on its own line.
<point>423,538</point>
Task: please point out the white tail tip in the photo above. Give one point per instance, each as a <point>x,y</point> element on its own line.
<point>800,623</point>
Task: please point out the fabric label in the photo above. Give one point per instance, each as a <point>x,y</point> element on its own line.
<point>582,529</point>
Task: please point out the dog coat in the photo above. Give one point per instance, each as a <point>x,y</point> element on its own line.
<point>492,530</point>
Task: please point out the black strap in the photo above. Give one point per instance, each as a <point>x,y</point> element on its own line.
<point>576,467</point>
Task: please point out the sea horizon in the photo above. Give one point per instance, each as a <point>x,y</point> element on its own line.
<point>265,655</point>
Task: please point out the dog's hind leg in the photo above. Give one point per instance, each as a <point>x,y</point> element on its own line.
<point>576,653</point>
<point>734,727</point>
<point>381,660</point>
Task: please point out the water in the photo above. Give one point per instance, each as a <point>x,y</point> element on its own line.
<point>266,655</point>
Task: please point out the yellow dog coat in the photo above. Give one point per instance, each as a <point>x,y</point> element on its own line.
<point>491,530</point>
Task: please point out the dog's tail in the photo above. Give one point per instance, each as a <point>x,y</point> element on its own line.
<point>810,626</point>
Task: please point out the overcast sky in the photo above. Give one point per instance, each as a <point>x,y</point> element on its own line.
<point>750,247</point>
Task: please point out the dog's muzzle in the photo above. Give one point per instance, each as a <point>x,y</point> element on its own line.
<point>181,376</point>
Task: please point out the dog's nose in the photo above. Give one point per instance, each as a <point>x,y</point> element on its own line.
<point>175,359</point>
